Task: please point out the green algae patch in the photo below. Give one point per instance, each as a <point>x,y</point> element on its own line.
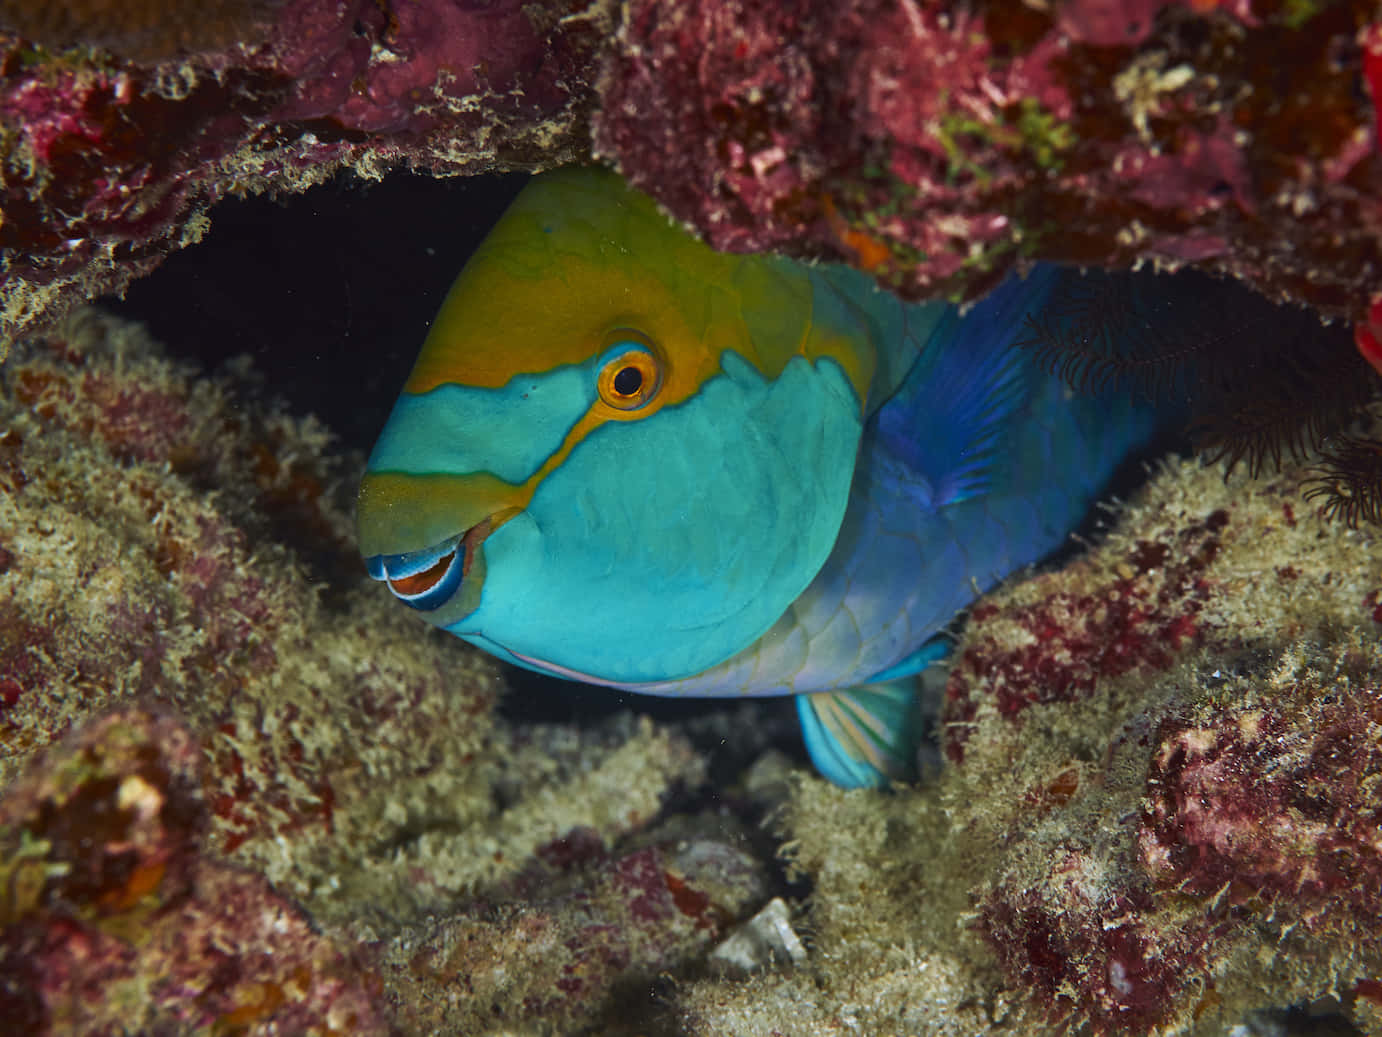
<point>146,518</point>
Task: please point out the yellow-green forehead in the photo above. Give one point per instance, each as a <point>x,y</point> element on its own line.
<point>578,254</point>
<point>574,251</point>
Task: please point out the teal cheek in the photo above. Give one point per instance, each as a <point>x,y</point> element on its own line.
<point>508,432</point>
<point>664,546</point>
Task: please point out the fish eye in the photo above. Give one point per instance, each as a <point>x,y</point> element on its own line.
<point>628,380</point>
<point>631,378</point>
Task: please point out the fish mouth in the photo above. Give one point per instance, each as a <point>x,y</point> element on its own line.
<point>429,578</point>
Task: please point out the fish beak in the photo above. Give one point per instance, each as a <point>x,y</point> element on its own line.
<point>429,578</point>
<point>424,534</point>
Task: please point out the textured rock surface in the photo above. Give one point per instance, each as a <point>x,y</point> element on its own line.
<point>933,143</point>
<point>938,143</point>
<point>119,923</point>
<point>123,123</point>
<point>126,580</point>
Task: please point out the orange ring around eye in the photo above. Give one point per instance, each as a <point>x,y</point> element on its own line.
<point>630,380</point>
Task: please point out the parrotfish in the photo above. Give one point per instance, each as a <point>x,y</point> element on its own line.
<point>627,459</point>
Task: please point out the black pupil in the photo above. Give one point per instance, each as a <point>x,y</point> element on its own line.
<point>628,381</point>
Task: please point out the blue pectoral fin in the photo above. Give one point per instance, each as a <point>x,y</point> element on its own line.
<point>863,737</point>
<point>949,415</point>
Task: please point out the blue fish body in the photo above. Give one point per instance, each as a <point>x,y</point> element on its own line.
<point>807,481</point>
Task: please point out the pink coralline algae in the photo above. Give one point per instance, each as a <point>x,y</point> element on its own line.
<point>937,145</point>
<point>114,159</point>
<point>1368,335</point>
<point>933,143</point>
<point>1259,809</point>
<point>1061,646</point>
<point>117,921</point>
<point>1270,804</point>
<point>1089,953</point>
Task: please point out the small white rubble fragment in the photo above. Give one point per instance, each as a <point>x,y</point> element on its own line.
<point>764,940</point>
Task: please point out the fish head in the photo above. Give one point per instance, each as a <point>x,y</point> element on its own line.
<point>620,455</point>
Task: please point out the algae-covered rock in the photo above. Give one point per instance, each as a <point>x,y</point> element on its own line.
<point>117,922</point>
<point>938,144</point>
<point>328,728</point>
<point>602,931</point>
<point>122,124</point>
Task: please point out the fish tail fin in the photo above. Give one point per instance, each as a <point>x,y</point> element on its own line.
<point>863,737</point>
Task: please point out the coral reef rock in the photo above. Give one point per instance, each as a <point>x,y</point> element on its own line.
<point>932,142</point>
<point>937,143</point>
<point>121,124</point>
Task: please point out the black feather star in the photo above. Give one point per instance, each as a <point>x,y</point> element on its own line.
<point>1348,478</point>
<point>1256,380</point>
